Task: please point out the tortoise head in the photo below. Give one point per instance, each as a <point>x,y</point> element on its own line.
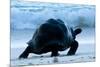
<point>77,31</point>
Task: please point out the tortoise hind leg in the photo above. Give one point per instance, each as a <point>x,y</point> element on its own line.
<point>25,53</point>
<point>54,53</point>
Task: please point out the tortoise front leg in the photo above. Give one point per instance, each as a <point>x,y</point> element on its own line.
<point>73,48</point>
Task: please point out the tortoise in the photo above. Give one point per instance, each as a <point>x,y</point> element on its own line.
<point>52,36</point>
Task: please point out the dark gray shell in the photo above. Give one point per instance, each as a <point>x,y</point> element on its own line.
<point>40,39</point>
